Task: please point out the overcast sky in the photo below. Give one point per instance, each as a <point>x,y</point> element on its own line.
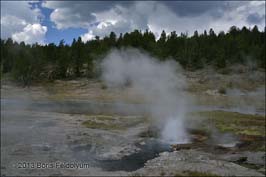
<point>51,21</point>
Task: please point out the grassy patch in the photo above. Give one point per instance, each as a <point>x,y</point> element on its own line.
<point>100,125</point>
<point>102,117</point>
<point>112,122</point>
<point>242,124</point>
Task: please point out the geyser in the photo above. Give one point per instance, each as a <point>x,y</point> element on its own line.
<point>161,84</point>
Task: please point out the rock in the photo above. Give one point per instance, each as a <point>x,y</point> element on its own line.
<point>212,92</point>
<point>46,148</point>
<point>262,170</point>
<point>177,147</point>
<point>164,154</point>
<point>255,158</point>
<point>198,138</point>
<point>234,157</point>
<point>142,143</point>
<point>194,161</point>
<point>118,152</point>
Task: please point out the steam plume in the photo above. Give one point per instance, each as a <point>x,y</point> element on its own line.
<point>161,83</point>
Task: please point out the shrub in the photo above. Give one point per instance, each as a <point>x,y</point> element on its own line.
<point>222,90</point>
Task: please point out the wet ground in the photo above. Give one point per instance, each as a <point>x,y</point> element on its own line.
<point>48,132</point>
<point>43,126</point>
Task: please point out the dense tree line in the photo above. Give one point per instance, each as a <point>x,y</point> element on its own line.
<point>37,62</point>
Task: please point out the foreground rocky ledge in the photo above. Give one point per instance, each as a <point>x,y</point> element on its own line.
<point>187,162</point>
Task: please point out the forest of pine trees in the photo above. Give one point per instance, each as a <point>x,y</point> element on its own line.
<point>27,63</point>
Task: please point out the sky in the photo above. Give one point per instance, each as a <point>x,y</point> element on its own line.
<point>51,21</point>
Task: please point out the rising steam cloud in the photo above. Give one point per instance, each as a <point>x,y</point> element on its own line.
<point>162,83</point>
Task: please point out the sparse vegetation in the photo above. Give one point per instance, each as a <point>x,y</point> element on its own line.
<point>111,122</point>
<point>222,90</point>
<point>104,86</point>
<point>242,124</point>
<point>100,125</point>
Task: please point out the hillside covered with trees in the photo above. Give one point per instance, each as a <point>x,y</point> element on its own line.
<point>27,63</point>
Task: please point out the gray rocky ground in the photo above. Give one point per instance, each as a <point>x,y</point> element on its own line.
<point>184,161</point>
<point>80,122</point>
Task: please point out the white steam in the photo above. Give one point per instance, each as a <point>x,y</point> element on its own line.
<point>160,83</point>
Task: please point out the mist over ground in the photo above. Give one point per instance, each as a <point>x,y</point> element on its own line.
<point>113,124</point>
<point>162,84</point>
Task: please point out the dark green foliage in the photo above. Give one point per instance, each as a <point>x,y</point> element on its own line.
<point>50,61</point>
<point>27,64</point>
<point>62,60</point>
